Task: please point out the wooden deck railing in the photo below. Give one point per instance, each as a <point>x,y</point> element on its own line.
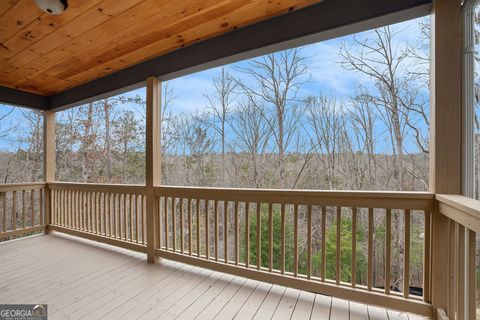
<point>220,229</point>
<point>114,214</point>
<point>459,228</point>
<point>21,209</point>
<point>298,232</point>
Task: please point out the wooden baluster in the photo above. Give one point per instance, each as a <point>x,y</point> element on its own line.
<point>125,215</point>
<point>158,211</point>
<point>452,253</point>
<point>40,206</point>
<point>215,213</point>
<point>282,238</point>
<point>98,212</point>
<point>32,206</point>
<point>174,223</point>
<point>144,219</point>
<point>197,212</point>
<point>427,257</point>
<point>309,242</point>
<point>4,206</point>
<point>131,205</point>
<point>61,213</point>
<point>106,207</point>
<point>81,213</point>
<point>78,207</point>
<point>72,205</point>
<point>370,249</point>
<point>137,215</point>
<point>85,207</point>
<point>270,237</point>
<point>53,199</point>
<point>85,210</point>
<point>207,229</point>
<point>67,214</point>
<point>406,256</point>
<point>460,285</point>
<point>388,245</point>
<point>354,247</point>
<point>324,243</point>
<point>65,209</point>
<point>225,230</point>
<point>181,225</point>
<point>53,202</point>
<point>259,237</point>
<point>295,240</point>
<point>14,210</point>
<point>247,234</point>
<point>165,212</point>
<point>109,214</point>
<point>237,235</point>
<point>91,213</point>
<point>114,200</point>
<point>471,274</point>
<point>190,226</point>
<point>338,253</point>
<point>23,210</point>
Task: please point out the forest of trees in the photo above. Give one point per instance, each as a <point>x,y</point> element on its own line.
<point>264,126</point>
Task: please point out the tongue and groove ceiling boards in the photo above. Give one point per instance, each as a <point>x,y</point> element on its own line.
<point>47,54</point>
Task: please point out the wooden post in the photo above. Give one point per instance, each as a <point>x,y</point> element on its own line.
<point>445,132</point>
<point>152,163</point>
<point>49,162</point>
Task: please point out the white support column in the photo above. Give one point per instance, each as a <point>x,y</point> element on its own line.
<point>153,164</point>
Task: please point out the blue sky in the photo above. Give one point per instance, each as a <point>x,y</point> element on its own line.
<point>328,77</point>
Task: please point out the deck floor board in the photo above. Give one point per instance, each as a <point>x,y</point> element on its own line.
<point>81,279</point>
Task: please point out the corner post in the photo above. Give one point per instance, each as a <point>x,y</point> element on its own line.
<point>49,162</point>
<point>152,163</point>
<point>445,133</point>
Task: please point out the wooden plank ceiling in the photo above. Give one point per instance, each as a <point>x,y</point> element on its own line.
<point>47,54</point>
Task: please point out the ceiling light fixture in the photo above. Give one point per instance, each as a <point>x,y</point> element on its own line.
<point>54,7</point>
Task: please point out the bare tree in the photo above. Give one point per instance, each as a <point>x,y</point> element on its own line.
<point>380,57</point>
<point>326,122</point>
<point>276,79</point>
<point>220,105</point>
<point>252,135</point>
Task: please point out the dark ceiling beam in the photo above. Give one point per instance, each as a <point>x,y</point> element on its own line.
<point>23,99</point>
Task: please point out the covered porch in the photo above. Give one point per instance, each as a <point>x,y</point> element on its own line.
<point>153,251</point>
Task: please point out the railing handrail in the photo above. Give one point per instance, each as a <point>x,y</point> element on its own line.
<point>4,187</point>
<point>461,209</point>
<point>382,199</point>
<point>99,187</point>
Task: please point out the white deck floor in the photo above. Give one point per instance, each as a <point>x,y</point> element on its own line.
<point>80,279</point>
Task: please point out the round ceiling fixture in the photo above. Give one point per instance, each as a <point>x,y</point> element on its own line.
<point>54,7</point>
